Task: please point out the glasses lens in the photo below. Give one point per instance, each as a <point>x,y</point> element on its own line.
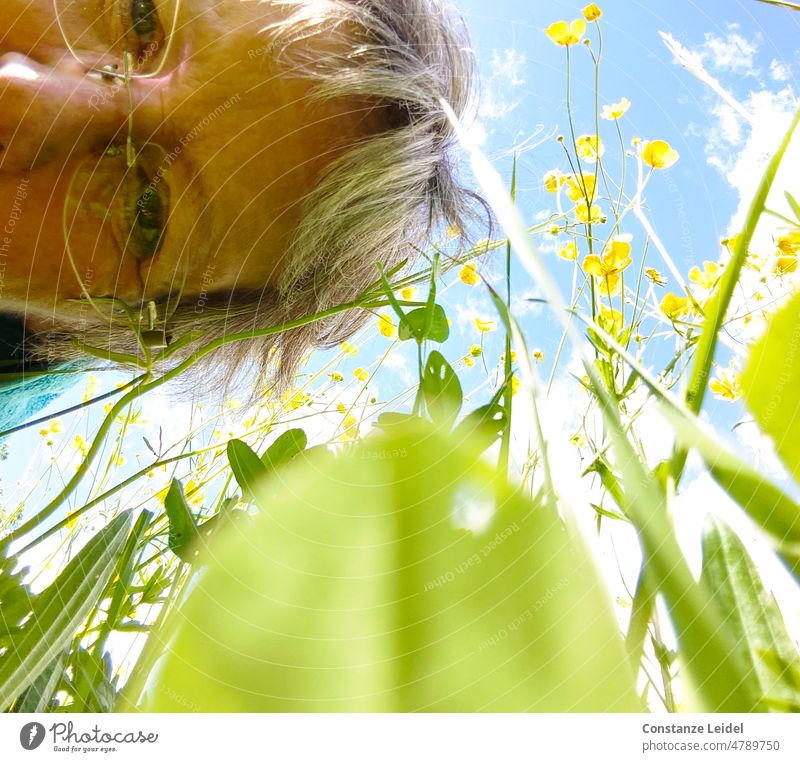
<point>106,34</point>
<point>120,211</point>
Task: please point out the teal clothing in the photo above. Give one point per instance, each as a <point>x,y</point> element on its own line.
<point>24,396</point>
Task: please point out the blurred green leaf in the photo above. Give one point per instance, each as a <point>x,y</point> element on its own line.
<point>418,325</point>
<point>247,467</point>
<point>751,613</point>
<point>356,590</point>
<point>182,527</point>
<point>90,685</point>
<point>441,390</point>
<point>483,426</point>
<point>771,383</point>
<point>60,609</point>
<point>792,201</point>
<point>284,448</point>
<point>16,599</point>
<point>40,694</point>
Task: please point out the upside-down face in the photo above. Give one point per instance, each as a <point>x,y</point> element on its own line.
<point>185,176</point>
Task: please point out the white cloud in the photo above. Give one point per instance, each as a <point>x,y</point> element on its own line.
<point>732,53</point>
<point>779,71</point>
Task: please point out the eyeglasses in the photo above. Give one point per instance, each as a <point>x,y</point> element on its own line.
<point>119,37</point>
<point>123,193</point>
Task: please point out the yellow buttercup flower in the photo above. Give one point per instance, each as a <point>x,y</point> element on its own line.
<point>659,154</point>
<point>485,325</point>
<point>606,269</point>
<point>610,320</point>
<point>295,400</point>
<point>386,326</point>
<point>589,147</point>
<point>351,350</point>
<point>788,251</point>
<point>591,12</point>
<point>675,307</point>
<point>503,357</point>
<point>578,440</point>
<point>581,187</point>
<point>475,350</point>
<point>515,384</point>
<point>789,243</point>
<point>553,180</point>
<point>469,362</point>
<point>407,293</point>
<point>341,408</point>
<point>725,385</point>
<point>562,33</point>
<point>707,277</point>
<point>786,264</point>
<point>361,374</point>
<point>469,274</point>
<point>336,376</point>
<point>654,276</point>
<point>569,252</point>
<point>54,426</point>
<point>538,355</point>
<point>615,110</point>
<point>350,427</point>
<point>585,215</point>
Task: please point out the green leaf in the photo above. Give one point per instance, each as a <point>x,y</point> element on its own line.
<point>247,467</point>
<point>414,325</point>
<point>483,426</point>
<point>182,527</point>
<point>388,422</point>
<point>442,390</point>
<point>59,610</point>
<point>91,689</point>
<point>284,448</point>
<point>39,695</point>
<point>750,612</point>
<point>16,599</point>
<point>771,383</point>
<point>357,590</point>
<point>792,201</point>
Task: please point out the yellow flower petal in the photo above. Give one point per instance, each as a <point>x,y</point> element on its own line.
<point>562,33</point>
<point>476,350</point>
<point>581,187</point>
<point>407,293</point>
<point>351,350</point>
<point>569,252</point>
<point>553,180</point>
<point>593,265</point>
<point>361,374</point>
<point>485,325</point>
<point>583,214</point>
<point>674,307</point>
<point>386,326</point>
<point>589,147</point>
<point>615,110</point>
<point>659,154</point>
<point>591,12</point>
<point>469,274</point>
<point>617,255</point>
<point>654,276</point>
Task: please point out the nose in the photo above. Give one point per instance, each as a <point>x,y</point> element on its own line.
<point>56,111</point>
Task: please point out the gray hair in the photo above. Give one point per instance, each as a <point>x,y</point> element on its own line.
<point>380,200</point>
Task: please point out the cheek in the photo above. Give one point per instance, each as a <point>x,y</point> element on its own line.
<point>38,270</point>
